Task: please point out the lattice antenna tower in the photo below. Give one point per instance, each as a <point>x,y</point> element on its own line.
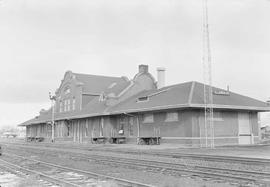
<point>207,75</point>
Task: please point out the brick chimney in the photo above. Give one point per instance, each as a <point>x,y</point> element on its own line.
<point>143,68</point>
<point>160,77</point>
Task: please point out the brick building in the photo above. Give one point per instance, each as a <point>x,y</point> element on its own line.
<point>89,106</point>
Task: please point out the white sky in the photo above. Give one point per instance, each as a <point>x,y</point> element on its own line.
<point>40,40</point>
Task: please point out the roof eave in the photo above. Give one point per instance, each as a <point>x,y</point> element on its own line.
<point>235,107</point>
<point>156,108</point>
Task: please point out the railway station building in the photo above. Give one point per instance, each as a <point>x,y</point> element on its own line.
<point>91,107</point>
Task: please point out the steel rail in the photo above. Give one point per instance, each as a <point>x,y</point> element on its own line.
<point>217,158</point>
<point>50,178</point>
<point>138,162</point>
<point>132,160</point>
<point>203,173</point>
<point>173,167</point>
<point>117,159</point>
<point>9,169</point>
<point>118,180</point>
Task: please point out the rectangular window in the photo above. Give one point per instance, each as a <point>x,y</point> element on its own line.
<point>148,118</point>
<point>61,106</point>
<point>65,105</point>
<point>68,105</point>
<point>171,116</point>
<point>73,104</point>
<point>218,116</point>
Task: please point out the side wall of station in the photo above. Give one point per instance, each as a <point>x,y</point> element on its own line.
<point>230,127</point>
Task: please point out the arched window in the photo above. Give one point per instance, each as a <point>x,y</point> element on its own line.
<point>67,90</point>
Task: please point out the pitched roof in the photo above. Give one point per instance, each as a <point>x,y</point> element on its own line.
<point>96,84</point>
<point>185,95</point>
<point>117,88</point>
<point>27,122</point>
<point>227,99</point>
<point>157,99</point>
<point>42,118</point>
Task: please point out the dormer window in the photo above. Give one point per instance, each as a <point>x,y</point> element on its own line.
<point>221,92</point>
<point>143,99</point>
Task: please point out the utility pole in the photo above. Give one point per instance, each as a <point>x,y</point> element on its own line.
<point>52,98</point>
<point>207,72</point>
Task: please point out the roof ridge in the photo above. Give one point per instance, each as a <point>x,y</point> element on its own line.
<point>174,85</point>
<point>105,76</point>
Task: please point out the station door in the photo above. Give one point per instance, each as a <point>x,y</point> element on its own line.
<point>245,135</point>
<point>77,132</point>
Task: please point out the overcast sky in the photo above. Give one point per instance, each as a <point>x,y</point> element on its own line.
<point>40,40</point>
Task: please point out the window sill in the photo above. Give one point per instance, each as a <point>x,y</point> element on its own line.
<point>171,120</point>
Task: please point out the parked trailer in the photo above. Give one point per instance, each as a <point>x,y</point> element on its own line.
<point>149,140</point>
<point>112,140</point>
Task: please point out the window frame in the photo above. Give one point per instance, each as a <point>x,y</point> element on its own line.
<point>68,104</point>
<point>148,115</point>
<point>73,104</point>
<point>218,116</point>
<point>60,106</point>
<point>65,105</point>
<point>171,118</point>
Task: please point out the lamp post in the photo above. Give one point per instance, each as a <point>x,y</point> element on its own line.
<point>52,98</point>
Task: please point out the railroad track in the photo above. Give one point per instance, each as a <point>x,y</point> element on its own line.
<point>194,156</point>
<point>214,173</point>
<point>208,157</point>
<point>61,175</point>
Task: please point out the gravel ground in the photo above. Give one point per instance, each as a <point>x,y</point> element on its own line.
<point>156,179</point>
<point>185,161</point>
<point>63,156</point>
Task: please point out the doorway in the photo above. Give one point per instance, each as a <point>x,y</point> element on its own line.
<point>244,132</point>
